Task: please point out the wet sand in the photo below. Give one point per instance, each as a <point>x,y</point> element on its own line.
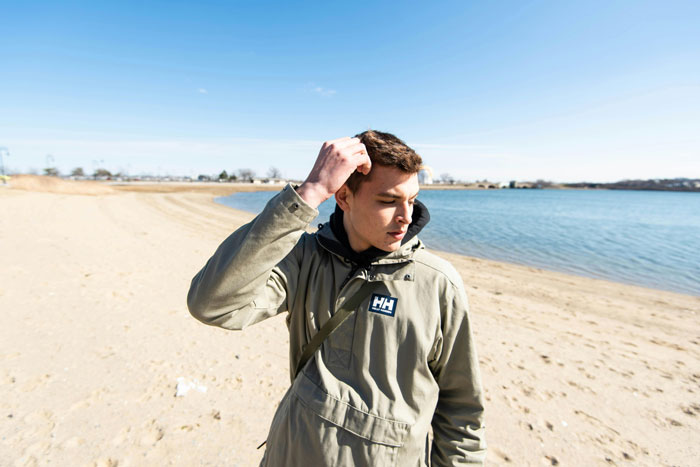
<point>94,333</point>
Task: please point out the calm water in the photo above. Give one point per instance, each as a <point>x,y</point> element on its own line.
<point>638,237</point>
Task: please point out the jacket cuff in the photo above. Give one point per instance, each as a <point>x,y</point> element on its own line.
<point>292,202</point>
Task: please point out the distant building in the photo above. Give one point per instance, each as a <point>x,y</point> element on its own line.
<point>425,175</point>
<point>274,181</point>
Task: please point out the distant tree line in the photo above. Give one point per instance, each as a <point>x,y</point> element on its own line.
<point>80,173</point>
<point>666,184</point>
<point>242,175</point>
<point>247,175</point>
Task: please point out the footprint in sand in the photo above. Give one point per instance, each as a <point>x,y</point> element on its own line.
<point>692,409</point>
<point>152,434</point>
<point>36,382</point>
<point>30,461</point>
<point>580,387</point>
<point>72,443</point>
<point>40,450</point>
<point>502,456</point>
<point>95,396</point>
<point>108,462</point>
<point>40,425</point>
<point>122,436</point>
<point>528,391</point>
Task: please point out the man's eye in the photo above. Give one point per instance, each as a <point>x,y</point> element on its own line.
<point>386,202</point>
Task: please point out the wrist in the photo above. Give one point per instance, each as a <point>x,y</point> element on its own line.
<point>312,194</point>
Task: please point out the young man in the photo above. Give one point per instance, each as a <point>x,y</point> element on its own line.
<point>401,362</point>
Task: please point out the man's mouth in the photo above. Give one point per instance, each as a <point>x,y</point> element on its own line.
<point>397,234</point>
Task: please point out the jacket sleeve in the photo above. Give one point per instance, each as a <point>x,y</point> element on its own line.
<point>253,272</point>
<point>458,429</point>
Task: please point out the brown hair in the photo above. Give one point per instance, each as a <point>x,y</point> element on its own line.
<point>386,150</point>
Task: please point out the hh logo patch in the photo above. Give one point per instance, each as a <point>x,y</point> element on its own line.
<point>383,304</point>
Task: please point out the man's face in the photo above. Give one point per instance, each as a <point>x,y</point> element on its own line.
<point>379,212</point>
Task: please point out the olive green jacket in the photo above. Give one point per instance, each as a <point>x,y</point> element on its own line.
<point>403,362</point>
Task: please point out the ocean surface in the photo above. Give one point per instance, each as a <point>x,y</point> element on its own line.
<point>644,238</point>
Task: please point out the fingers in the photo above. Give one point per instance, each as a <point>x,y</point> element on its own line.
<point>348,142</point>
<point>338,142</point>
<point>365,164</point>
<point>350,149</point>
<point>357,148</point>
<point>344,147</point>
<point>359,155</point>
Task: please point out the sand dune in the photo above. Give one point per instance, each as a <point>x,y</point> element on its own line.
<point>94,333</point>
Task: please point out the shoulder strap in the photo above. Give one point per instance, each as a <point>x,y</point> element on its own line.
<point>332,324</point>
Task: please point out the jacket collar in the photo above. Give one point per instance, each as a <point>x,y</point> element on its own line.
<point>332,237</point>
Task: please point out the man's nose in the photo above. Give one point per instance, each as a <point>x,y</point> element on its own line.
<point>404,213</point>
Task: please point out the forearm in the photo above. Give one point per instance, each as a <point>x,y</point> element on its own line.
<point>249,264</point>
<point>246,268</point>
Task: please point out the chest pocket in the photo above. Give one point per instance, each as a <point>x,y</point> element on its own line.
<point>337,350</point>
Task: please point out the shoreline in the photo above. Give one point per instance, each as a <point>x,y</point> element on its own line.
<point>95,333</point>
<point>579,274</point>
<point>55,185</point>
<point>582,275</point>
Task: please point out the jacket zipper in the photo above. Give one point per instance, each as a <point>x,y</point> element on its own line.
<point>348,278</point>
<point>353,271</point>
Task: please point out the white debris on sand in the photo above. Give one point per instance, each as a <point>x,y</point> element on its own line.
<point>184,386</point>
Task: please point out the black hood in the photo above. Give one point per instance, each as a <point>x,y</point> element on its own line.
<point>341,245</point>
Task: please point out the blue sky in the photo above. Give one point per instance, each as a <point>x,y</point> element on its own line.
<point>567,91</point>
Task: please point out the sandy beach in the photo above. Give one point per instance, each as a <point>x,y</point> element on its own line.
<point>95,332</point>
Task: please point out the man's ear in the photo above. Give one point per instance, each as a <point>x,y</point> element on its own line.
<point>344,198</point>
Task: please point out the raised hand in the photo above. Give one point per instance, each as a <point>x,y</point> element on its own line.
<point>336,161</point>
